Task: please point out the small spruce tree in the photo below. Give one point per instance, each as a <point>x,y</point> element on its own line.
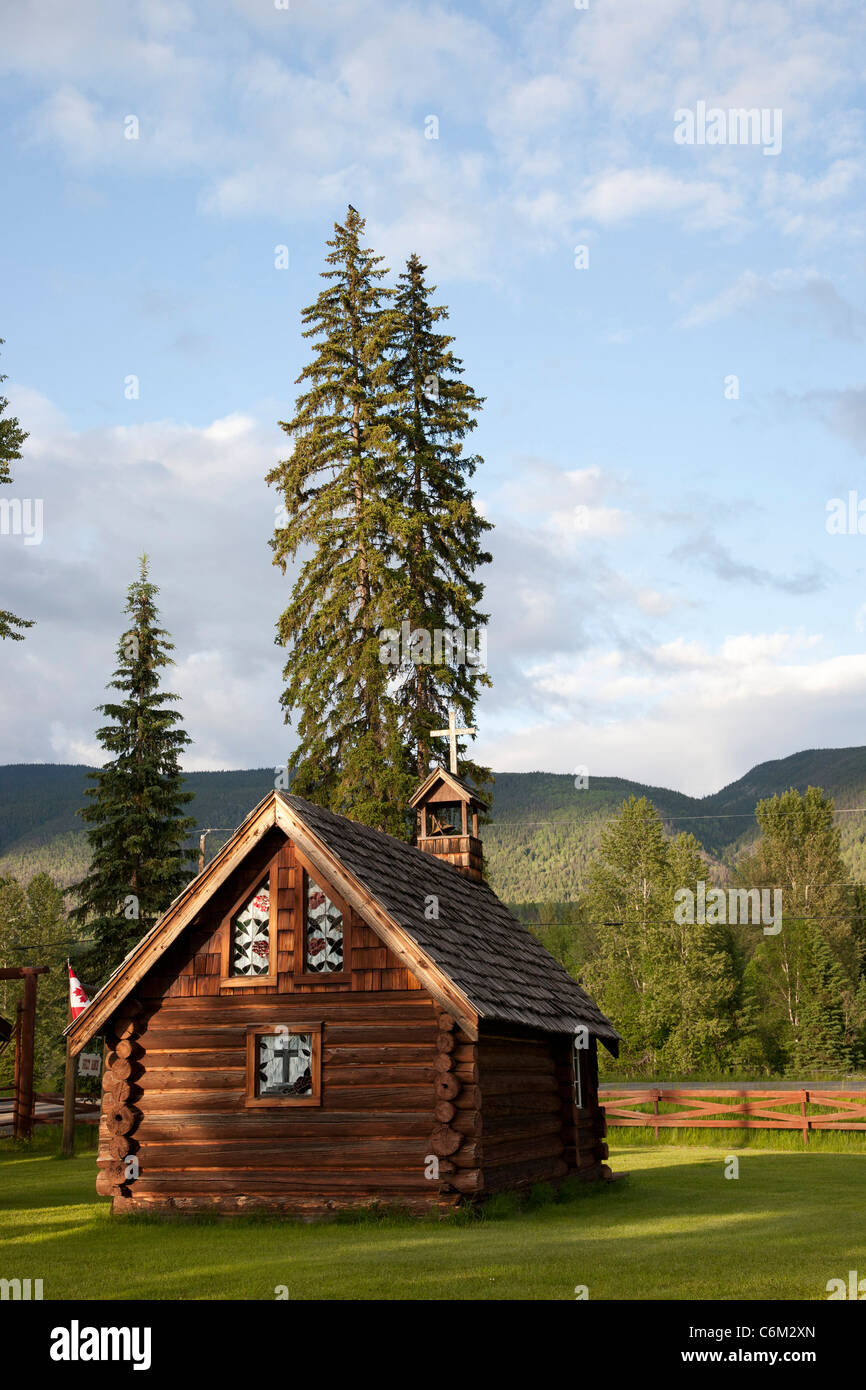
<point>137,827</point>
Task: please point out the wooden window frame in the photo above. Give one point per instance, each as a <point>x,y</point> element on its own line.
<point>254,1031</point>
<point>300,974</point>
<point>229,981</point>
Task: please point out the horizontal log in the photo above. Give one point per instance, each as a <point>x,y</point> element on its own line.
<point>393,1006</point>
<point>466,1121</point>
<point>382,1034</point>
<point>232,1033</point>
<point>297,1204</point>
<point>515,1125</point>
<point>529,1103</point>
<point>197,1059</point>
<point>466,1182</point>
<point>467,1156</point>
<point>307,1122</point>
<point>281,1182</point>
<point>506,1083</point>
<point>446,1023</point>
<point>158,1079</point>
<point>157,1039</point>
<point>357,1098</point>
<point>408,1075</point>
<point>517,1066</point>
<point>499,1153</point>
<point>444,1111</point>
<point>310,1155</point>
<point>468,1098</point>
<point>499,1179</point>
<point>490,1044</point>
<point>390,1054</point>
<point>234,1076</point>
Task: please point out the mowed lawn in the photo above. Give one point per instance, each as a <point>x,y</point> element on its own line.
<point>676,1228</point>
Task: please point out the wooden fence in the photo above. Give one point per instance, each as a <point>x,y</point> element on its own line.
<point>733,1109</point>
<point>47,1108</point>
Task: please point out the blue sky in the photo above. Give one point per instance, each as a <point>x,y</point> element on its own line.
<point>666,602</point>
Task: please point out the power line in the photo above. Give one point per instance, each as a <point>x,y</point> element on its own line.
<point>721,815</point>
<point>668,921</point>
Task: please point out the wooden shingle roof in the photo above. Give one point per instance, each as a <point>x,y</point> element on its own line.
<point>498,964</point>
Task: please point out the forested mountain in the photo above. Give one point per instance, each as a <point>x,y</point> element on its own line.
<point>537,846</point>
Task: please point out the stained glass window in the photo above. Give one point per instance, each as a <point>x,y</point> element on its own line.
<point>284,1064</point>
<point>251,947</point>
<point>323,953</point>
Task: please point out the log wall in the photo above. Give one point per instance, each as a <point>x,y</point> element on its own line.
<point>531,1130</point>
<point>413,1111</point>
<point>198,1146</point>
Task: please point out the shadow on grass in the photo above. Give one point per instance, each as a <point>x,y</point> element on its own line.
<point>674,1230</point>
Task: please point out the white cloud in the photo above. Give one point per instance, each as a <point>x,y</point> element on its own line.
<point>196,501</point>
<point>695,716</point>
<point>541,121</point>
<point>804,292</point>
<point>621,195</point>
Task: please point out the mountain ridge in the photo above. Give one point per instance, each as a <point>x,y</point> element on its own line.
<point>543,831</point>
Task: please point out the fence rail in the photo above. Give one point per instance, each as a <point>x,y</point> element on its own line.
<point>733,1109</point>
<point>47,1108</point>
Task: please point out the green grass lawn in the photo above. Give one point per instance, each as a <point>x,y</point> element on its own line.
<point>676,1228</point>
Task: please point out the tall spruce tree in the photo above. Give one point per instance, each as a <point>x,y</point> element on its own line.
<point>375,507</point>
<point>335,506</point>
<point>437,529</point>
<point>11,438</point>
<point>137,825</point>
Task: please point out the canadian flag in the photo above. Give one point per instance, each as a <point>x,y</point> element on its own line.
<point>78,1000</point>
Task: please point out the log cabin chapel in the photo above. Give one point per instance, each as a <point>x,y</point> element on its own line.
<point>328,1017</point>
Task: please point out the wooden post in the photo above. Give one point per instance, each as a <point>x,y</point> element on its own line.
<point>804,1101</point>
<point>67,1147</point>
<point>24,1110</point>
<point>22,1123</point>
<point>656,1110</point>
<point>16,1079</point>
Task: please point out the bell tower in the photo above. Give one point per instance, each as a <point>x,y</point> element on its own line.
<point>447,821</point>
